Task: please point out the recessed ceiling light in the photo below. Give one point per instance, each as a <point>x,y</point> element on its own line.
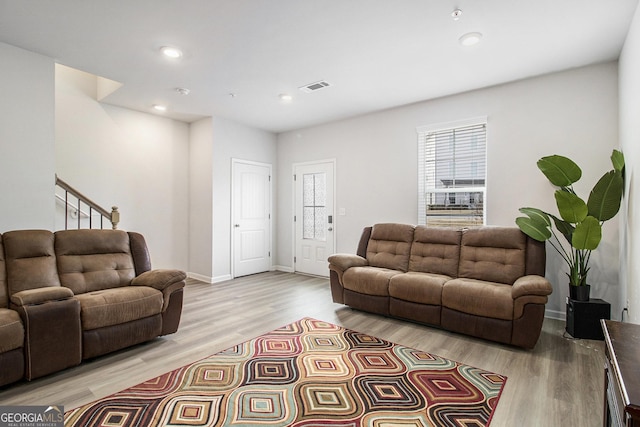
<point>159,107</point>
<point>470,39</point>
<point>285,97</point>
<point>456,14</point>
<point>171,52</point>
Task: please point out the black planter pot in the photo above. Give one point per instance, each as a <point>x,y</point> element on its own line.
<point>579,293</point>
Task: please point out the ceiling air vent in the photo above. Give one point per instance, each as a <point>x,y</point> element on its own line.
<point>312,87</point>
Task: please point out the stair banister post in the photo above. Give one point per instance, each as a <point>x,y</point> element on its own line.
<point>115,217</point>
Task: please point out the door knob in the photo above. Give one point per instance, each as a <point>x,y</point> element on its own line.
<point>237,225</point>
<point>330,229</point>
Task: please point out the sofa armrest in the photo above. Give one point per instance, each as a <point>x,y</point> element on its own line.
<point>345,261</point>
<point>531,285</point>
<point>52,330</point>
<point>160,279</point>
<point>139,253</point>
<point>40,295</point>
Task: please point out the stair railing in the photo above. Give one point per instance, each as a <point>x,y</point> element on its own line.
<point>113,217</point>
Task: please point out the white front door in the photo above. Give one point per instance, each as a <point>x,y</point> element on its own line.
<point>314,217</point>
<point>251,217</point>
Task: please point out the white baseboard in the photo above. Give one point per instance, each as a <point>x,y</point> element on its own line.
<point>555,314</point>
<point>219,279</point>
<point>284,269</point>
<point>208,279</point>
<point>200,277</point>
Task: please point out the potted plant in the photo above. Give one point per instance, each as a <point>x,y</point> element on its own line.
<point>580,223</point>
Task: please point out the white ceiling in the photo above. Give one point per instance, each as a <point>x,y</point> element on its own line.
<point>376,54</point>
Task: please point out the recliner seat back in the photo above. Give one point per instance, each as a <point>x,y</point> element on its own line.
<point>92,260</point>
<point>494,254</point>
<point>390,246</point>
<point>30,260</point>
<point>435,250</point>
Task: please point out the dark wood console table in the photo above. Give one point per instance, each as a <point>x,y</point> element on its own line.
<point>621,374</point>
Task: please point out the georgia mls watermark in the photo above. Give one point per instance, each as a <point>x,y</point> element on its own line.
<point>31,416</point>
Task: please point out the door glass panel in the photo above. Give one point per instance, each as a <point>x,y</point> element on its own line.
<point>320,215</point>
<point>308,224</point>
<point>320,189</point>
<point>308,189</point>
<point>314,194</point>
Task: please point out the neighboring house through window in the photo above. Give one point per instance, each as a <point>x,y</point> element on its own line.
<point>452,170</point>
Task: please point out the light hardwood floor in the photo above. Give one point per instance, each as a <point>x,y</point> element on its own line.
<point>559,383</point>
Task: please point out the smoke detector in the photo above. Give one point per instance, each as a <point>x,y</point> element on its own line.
<point>312,87</point>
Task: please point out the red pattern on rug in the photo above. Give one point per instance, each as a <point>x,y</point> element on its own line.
<point>309,373</point>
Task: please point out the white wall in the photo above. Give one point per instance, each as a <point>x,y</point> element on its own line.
<point>110,149</point>
<point>232,140</point>
<point>630,143</point>
<point>132,160</point>
<point>214,143</point>
<point>573,113</point>
<point>201,200</point>
<point>27,166</point>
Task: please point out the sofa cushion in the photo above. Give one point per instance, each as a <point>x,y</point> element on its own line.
<point>423,288</point>
<point>479,298</point>
<point>30,260</point>
<point>368,280</point>
<point>494,254</point>
<point>390,246</point>
<point>108,307</point>
<point>435,250</point>
<point>11,330</point>
<point>165,280</point>
<point>91,260</point>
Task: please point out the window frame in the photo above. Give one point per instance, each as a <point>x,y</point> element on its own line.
<point>423,133</point>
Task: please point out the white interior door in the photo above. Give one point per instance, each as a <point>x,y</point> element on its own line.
<point>314,217</point>
<point>251,217</point>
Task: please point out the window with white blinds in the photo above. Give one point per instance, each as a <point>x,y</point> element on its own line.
<point>452,168</point>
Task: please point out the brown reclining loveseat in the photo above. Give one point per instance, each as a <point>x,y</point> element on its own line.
<point>77,294</point>
<point>486,282</point>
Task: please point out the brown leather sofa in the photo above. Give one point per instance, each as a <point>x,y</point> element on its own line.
<point>487,282</point>
<point>77,294</point>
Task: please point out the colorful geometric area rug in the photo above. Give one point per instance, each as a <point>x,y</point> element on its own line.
<point>307,374</point>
